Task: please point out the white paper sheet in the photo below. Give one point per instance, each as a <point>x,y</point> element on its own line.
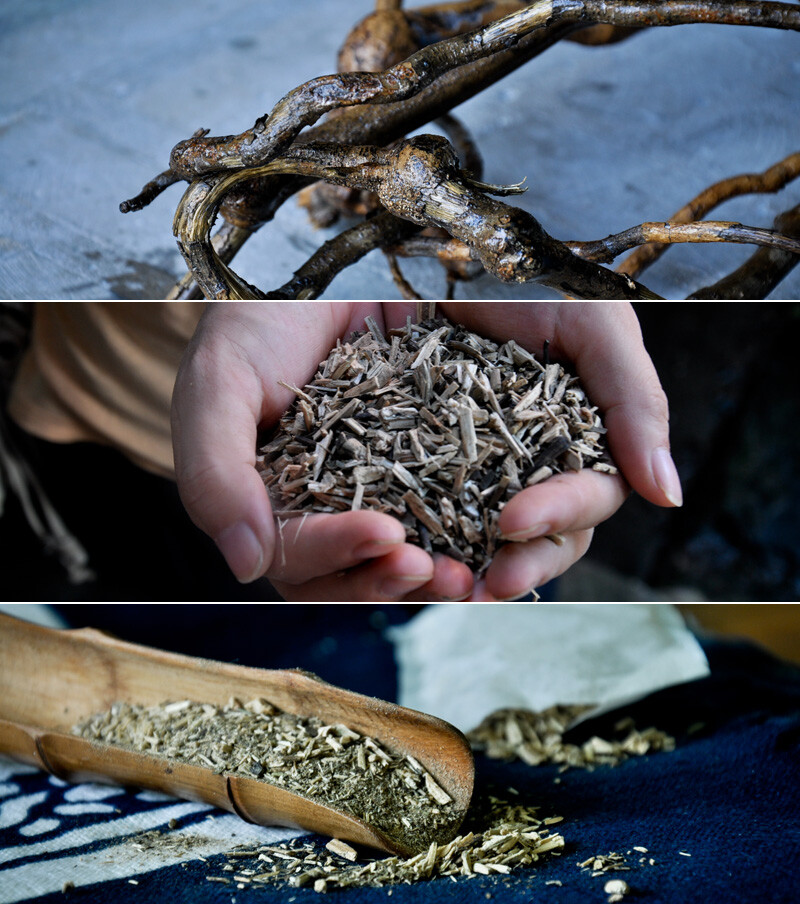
<point>462,662</point>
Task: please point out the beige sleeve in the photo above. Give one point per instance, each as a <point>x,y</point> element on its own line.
<point>103,372</point>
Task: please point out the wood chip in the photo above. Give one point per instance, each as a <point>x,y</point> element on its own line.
<point>537,737</point>
<point>342,849</point>
<point>506,837</point>
<point>436,791</point>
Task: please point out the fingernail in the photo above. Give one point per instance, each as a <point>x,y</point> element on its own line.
<point>666,476</point>
<point>399,585</point>
<point>374,548</point>
<point>527,533</point>
<point>525,596</point>
<point>242,551</point>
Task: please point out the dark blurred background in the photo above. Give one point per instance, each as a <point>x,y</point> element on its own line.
<point>731,375</point>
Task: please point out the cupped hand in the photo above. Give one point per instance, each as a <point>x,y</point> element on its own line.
<point>602,343</point>
<point>227,389</point>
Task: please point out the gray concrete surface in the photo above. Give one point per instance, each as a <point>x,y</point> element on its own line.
<point>96,92</point>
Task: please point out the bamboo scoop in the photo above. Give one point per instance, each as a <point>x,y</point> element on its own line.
<point>50,680</point>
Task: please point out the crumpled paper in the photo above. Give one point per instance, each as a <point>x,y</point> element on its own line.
<point>463,662</point>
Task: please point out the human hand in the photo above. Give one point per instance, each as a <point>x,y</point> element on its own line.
<point>602,343</point>
<point>227,387</point>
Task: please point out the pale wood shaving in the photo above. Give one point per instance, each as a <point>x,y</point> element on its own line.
<point>537,738</point>
<point>511,837</point>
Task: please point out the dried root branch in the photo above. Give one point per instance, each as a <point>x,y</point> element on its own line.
<point>400,69</point>
<point>151,191</point>
<point>311,280</point>
<point>418,180</point>
<point>781,238</point>
<point>404,287</point>
<point>771,180</point>
<point>226,243</point>
<point>670,233</point>
<point>274,133</point>
<point>759,275</point>
<point>327,202</point>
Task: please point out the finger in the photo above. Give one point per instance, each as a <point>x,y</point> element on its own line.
<point>576,500</point>
<point>387,579</point>
<point>518,568</point>
<point>605,342</point>
<point>215,468</point>
<point>481,595</point>
<point>452,581</point>
<point>312,546</point>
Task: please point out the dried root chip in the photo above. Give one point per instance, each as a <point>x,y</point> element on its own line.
<point>538,737</point>
<point>503,837</point>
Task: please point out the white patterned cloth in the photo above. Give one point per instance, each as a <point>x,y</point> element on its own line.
<point>54,833</point>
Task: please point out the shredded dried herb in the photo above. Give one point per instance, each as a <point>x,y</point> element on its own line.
<point>537,738</point>
<point>330,764</point>
<point>501,837</point>
<point>435,425</point>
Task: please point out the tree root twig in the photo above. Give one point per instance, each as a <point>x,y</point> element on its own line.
<point>773,179</point>
<point>762,272</point>
<point>607,249</point>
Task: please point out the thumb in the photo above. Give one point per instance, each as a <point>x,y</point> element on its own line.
<point>215,411</point>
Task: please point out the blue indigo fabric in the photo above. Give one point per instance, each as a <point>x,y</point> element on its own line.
<point>719,816</point>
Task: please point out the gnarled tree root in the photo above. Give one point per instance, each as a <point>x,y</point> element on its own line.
<point>428,63</point>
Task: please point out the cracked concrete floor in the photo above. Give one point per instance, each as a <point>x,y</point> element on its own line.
<point>96,92</point>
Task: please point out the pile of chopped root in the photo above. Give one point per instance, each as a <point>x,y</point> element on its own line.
<point>504,837</point>
<point>330,764</point>
<point>435,425</point>
<point>537,738</point>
